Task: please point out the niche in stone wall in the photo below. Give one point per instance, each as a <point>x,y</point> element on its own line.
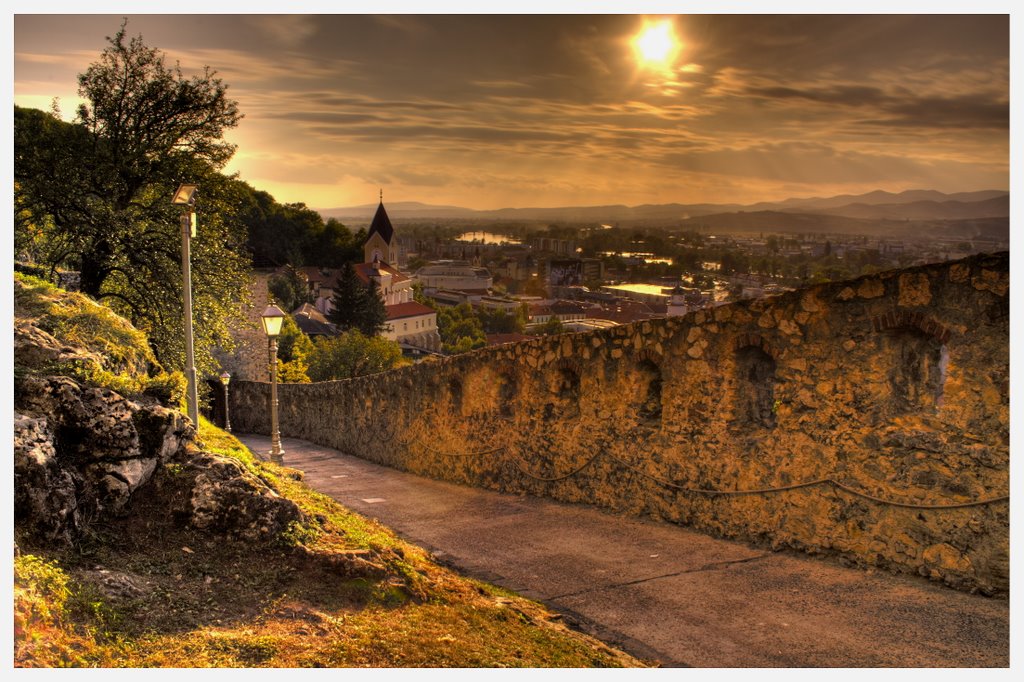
<point>755,388</point>
<point>564,392</point>
<point>650,392</point>
<point>455,395</point>
<point>507,394</point>
<point>917,365</point>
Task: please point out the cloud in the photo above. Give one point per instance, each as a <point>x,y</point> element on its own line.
<point>970,111</point>
<point>288,30</point>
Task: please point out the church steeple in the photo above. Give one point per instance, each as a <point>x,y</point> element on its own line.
<point>381,242</point>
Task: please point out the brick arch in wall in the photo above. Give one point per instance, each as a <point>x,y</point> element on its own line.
<point>751,339</point>
<point>913,346</point>
<point>907,319</point>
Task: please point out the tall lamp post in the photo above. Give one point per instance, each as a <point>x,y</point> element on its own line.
<point>186,198</point>
<point>273,317</point>
<point>224,379</point>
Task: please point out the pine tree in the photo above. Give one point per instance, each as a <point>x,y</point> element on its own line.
<point>348,301</point>
<point>356,305</point>
<point>375,315</point>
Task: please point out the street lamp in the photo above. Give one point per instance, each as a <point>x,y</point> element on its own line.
<point>186,198</point>
<point>273,318</point>
<point>224,379</point>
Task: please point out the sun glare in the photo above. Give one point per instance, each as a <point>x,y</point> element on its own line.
<point>656,44</point>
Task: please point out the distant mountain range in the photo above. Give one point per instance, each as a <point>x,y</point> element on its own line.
<point>916,205</point>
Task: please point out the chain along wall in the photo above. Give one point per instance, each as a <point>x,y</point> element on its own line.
<point>866,419</point>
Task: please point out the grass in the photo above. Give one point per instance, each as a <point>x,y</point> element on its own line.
<point>144,591</point>
<point>119,355</point>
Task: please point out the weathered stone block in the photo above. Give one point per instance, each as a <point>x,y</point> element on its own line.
<point>871,288</point>
<point>915,289</point>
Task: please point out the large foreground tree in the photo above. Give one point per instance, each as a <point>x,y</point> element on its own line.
<point>94,195</point>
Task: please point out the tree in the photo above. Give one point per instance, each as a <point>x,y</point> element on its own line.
<point>356,305</point>
<point>293,351</point>
<point>97,192</point>
<point>460,329</point>
<point>351,355</point>
<point>288,288</point>
<point>501,322</point>
<point>553,325</point>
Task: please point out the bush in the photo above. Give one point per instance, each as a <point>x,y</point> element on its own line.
<point>352,355</point>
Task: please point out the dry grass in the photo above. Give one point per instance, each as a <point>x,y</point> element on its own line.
<point>146,592</point>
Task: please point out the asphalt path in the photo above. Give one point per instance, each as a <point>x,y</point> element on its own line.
<point>662,592</point>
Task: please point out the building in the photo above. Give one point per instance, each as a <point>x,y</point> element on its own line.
<point>454,275</point>
<point>381,243</point>
<point>393,286</point>
<point>413,324</point>
<point>312,322</point>
<point>410,323</point>
<point>539,312</point>
<point>683,300</point>
<point>651,294</point>
<point>559,247</point>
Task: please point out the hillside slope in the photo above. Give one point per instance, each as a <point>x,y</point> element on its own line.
<point>141,542</point>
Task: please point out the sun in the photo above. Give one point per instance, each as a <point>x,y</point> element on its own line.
<point>656,44</point>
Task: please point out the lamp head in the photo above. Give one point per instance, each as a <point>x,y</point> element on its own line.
<point>273,318</point>
<point>185,196</point>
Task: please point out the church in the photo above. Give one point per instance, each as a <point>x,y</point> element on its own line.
<point>412,324</point>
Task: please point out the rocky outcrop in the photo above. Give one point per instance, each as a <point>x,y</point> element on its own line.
<point>34,347</point>
<point>85,453</point>
<point>45,499</point>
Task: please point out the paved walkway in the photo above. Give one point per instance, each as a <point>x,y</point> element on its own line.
<point>661,591</point>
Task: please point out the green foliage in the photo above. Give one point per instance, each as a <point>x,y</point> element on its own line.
<point>356,305</point>
<point>501,322</point>
<point>168,388</point>
<point>289,289</point>
<point>292,343</point>
<point>460,329</point>
<point>294,372</point>
<point>43,586</point>
<point>94,196</point>
<point>120,357</point>
<point>294,233</point>
<point>352,354</point>
<point>298,534</point>
<point>552,326</point>
<point>77,320</point>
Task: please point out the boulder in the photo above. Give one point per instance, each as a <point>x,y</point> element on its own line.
<point>218,494</point>
<point>45,499</point>
<point>81,452</point>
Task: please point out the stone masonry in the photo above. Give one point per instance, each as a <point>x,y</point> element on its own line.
<point>866,419</point>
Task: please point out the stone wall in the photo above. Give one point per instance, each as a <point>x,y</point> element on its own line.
<point>248,360</point>
<point>866,419</point>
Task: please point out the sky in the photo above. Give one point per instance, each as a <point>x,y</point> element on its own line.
<point>531,110</point>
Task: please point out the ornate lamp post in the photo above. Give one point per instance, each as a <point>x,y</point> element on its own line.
<point>186,198</point>
<point>273,318</point>
<point>224,379</point>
